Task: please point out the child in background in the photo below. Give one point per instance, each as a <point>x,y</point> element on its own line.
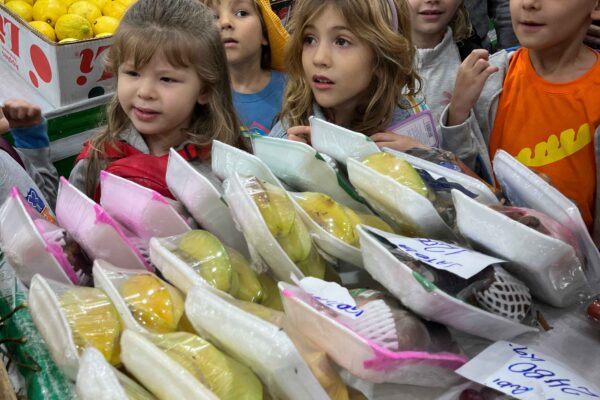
<point>254,41</point>
<point>172,91</point>
<point>352,63</point>
<point>542,106</point>
<point>437,25</point>
<point>28,167</point>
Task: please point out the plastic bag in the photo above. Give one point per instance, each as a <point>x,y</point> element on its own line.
<point>35,245</point>
<point>202,198</point>
<point>261,345</point>
<point>542,257</point>
<point>228,160</point>
<point>71,318</point>
<point>301,167</point>
<point>97,380</point>
<point>145,302</point>
<point>96,231</point>
<point>361,355</point>
<point>42,377</point>
<point>142,211</point>
<point>424,298</point>
<point>162,375</point>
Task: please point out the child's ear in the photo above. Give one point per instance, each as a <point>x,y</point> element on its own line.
<point>265,41</point>
<point>203,97</point>
<point>596,12</point>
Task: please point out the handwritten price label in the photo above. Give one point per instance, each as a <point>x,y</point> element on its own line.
<point>444,256</point>
<point>525,373</point>
<point>332,296</point>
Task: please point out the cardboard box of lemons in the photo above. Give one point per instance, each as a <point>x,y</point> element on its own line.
<point>399,170</point>
<point>105,25</point>
<point>48,11</point>
<point>94,321</point>
<point>21,8</point>
<point>224,376</point>
<point>73,26</point>
<point>154,304</point>
<point>45,29</point>
<point>209,256</point>
<point>86,9</point>
<point>114,9</point>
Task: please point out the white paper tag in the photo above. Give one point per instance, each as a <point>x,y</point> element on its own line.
<point>527,374</point>
<point>444,256</point>
<point>420,127</point>
<point>332,296</point>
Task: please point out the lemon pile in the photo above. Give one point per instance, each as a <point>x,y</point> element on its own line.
<point>65,21</point>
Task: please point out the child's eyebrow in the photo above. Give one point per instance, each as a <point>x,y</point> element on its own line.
<point>238,2</point>
<point>334,28</point>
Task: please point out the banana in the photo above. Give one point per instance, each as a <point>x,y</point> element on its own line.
<point>330,215</point>
<point>314,265</point>
<point>297,244</point>
<point>271,297</point>
<point>224,376</point>
<point>275,207</point>
<point>249,287</point>
<point>208,251</point>
<point>373,221</point>
<point>399,170</point>
<point>155,304</point>
<point>93,320</point>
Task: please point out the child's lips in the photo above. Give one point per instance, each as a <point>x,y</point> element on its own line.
<point>229,42</point>
<point>322,82</point>
<point>145,114</point>
<point>531,26</point>
<point>431,15</point>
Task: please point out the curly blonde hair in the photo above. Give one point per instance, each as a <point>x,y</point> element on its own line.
<point>185,33</point>
<point>394,71</point>
<point>461,24</point>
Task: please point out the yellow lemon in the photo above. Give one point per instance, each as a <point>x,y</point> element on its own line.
<point>30,2</point>
<point>103,35</point>
<point>126,3</point>
<point>86,9</point>
<point>105,25</point>
<point>67,40</point>
<point>99,3</point>
<point>73,26</point>
<point>45,29</point>
<point>67,3</point>
<point>48,11</point>
<point>114,9</point>
<point>21,8</point>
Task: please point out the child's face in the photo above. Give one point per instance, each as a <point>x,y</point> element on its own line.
<point>159,99</point>
<point>544,24</point>
<point>430,18</point>
<point>337,64</point>
<point>241,31</point>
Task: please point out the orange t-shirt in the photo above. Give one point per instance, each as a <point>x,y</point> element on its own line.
<point>550,127</point>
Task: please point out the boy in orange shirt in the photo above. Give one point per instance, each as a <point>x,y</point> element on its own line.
<point>541,104</point>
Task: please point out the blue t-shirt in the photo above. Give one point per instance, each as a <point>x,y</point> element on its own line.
<point>257,111</point>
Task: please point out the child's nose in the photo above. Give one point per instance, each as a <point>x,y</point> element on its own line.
<point>146,89</point>
<point>322,55</point>
<point>225,21</point>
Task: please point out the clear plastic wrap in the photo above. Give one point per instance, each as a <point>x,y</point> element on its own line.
<point>43,380</point>
<point>97,380</point>
<point>362,356</point>
<point>524,188</point>
<point>35,245</point>
<point>338,142</point>
<point>408,207</point>
<point>201,196</point>
<point>202,254</point>
<point>539,249</point>
<point>144,212</point>
<point>228,160</point>
<point>425,299</point>
<point>71,318</point>
<point>96,231</point>
<point>145,302</point>
<point>162,375</point>
<point>261,345</point>
<point>301,167</point>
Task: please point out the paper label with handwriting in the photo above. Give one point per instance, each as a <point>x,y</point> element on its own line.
<point>444,256</point>
<point>527,374</point>
<point>332,296</point>
<point>420,127</point>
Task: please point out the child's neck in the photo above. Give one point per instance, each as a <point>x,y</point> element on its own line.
<point>159,145</point>
<point>249,79</point>
<point>422,41</point>
<point>564,64</point>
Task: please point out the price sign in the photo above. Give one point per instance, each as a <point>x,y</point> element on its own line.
<point>525,373</point>
<point>332,296</point>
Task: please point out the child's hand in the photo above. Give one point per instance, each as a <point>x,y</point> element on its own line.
<point>472,75</point>
<point>300,133</point>
<point>4,125</point>
<point>395,141</point>
<point>21,114</point>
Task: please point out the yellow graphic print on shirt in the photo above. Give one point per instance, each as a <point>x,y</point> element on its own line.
<point>554,149</point>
